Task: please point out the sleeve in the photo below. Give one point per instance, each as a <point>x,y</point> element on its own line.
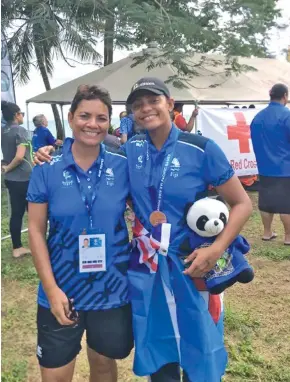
<point>216,168</point>
<point>124,148</point>
<point>50,140</point>
<point>180,122</point>
<point>21,136</point>
<point>37,189</point>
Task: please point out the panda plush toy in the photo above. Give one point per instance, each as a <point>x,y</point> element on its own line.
<point>207,218</point>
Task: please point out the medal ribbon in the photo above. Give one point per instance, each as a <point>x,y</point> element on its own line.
<point>157,195</point>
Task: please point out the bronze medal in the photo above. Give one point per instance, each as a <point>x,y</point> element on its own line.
<point>157,217</point>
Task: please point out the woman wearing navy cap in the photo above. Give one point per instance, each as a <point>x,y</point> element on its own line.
<point>176,322</point>
<point>167,170</point>
<point>83,263</point>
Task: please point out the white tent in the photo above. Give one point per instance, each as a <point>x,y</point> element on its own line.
<point>118,78</point>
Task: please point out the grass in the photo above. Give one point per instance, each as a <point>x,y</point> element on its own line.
<point>257,316</point>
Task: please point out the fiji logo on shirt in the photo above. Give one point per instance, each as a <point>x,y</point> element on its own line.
<point>110,178</point>
<point>174,168</point>
<point>139,163</point>
<point>67,182</point>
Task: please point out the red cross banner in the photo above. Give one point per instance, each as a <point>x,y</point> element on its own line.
<point>230,129</point>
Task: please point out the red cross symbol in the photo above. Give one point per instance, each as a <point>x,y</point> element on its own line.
<point>241,132</point>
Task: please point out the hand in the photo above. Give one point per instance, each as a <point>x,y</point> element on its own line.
<point>4,169</point>
<point>59,306</point>
<point>58,142</point>
<point>195,112</point>
<point>42,155</point>
<point>203,260</point>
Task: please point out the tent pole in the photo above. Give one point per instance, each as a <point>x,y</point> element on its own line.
<point>61,109</point>
<point>195,121</point>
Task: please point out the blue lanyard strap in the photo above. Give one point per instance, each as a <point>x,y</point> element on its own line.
<point>87,203</point>
<point>156,196</point>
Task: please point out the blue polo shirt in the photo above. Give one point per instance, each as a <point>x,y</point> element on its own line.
<point>270,131</point>
<point>195,163</point>
<point>42,137</point>
<point>56,184</point>
<point>127,126</point>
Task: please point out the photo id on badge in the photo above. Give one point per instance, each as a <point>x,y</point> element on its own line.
<point>92,253</point>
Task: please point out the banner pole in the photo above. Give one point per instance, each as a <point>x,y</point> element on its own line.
<point>195,121</point>
<point>62,118</point>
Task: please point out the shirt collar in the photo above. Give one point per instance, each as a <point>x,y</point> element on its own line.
<point>68,156</point>
<point>10,125</point>
<point>274,103</point>
<point>172,138</point>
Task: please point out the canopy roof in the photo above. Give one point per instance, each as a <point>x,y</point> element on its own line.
<point>118,78</point>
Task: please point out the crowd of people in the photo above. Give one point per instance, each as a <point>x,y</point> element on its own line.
<point>87,267</point>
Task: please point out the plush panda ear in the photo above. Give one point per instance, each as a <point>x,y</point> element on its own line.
<point>219,198</point>
<point>187,208</point>
<point>201,195</point>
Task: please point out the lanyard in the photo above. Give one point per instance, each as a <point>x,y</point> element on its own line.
<point>156,196</point>
<point>89,205</point>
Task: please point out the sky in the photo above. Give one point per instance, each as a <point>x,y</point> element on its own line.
<point>63,73</point>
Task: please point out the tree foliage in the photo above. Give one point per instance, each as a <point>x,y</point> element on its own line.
<point>42,31</point>
<point>230,27</point>
<point>49,29</point>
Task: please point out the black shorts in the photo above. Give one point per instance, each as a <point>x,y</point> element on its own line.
<point>274,195</point>
<point>109,332</point>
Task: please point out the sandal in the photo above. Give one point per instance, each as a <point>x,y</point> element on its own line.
<point>272,237</point>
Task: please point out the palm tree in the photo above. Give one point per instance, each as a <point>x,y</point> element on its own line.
<point>43,30</point>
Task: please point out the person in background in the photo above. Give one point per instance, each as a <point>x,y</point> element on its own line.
<point>112,141</point>
<point>252,106</point>
<point>17,159</point>
<point>179,119</point>
<point>127,126</point>
<point>41,135</point>
<point>116,132</point>
<point>270,132</point>
<point>248,182</point>
<point>123,114</point>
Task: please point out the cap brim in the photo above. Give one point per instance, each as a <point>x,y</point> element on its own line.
<point>134,93</point>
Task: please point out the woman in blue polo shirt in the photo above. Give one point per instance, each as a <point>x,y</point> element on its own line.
<point>83,263</point>
<point>176,322</point>
<point>173,325</point>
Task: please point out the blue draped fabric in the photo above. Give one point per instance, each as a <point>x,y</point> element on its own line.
<point>200,349</point>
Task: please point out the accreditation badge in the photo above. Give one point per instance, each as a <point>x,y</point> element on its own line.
<point>92,253</point>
